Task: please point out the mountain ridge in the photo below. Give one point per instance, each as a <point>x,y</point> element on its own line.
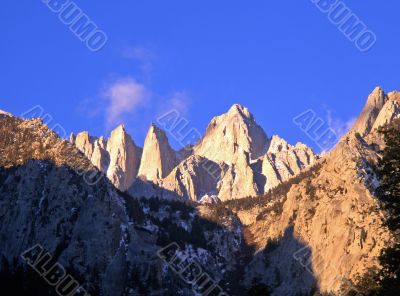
<point>233,141</point>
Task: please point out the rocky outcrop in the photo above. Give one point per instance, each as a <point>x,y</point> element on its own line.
<point>93,148</point>
<point>284,161</point>
<point>389,111</point>
<point>100,156</point>
<point>124,158</point>
<point>158,158</point>
<point>193,178</point>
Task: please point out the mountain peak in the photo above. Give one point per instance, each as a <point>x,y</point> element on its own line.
<point>241,110</point>
<point>377,90</point>
<point>228,133</point>
<point>155,129</point>
<point>158,158</point>
<point>375,102</point>
<point>120,128</point>
<point>124,157</point>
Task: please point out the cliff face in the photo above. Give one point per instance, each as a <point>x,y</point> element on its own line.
<point>365,121</point>
<point>100,156</point>
<point>124,159</point>
<point>334,213</point>
<point>158,157</point>
<point>326,228</point>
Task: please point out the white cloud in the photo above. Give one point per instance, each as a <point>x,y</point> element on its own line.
<point>139,53</point>
<point>179,101</point>
<point>124,97</point>
<point>338,125</point>
<point>126,100</point>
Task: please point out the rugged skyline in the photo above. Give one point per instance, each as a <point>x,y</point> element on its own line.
<point>271,57</point>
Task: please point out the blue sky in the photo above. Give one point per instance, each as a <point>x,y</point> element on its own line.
<point>278,58</point>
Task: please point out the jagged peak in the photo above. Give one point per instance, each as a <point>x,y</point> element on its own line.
<point>83,134</point>
<point>230,131</point>
<point>377,90</point>
<point>241,110</point>
<point>377,97</point>
<point>120,128</point>
<point>375,102</point>
<point>278,144</point>
<point>120,134</point>
<point>157,133</point>
<point>155,129</point>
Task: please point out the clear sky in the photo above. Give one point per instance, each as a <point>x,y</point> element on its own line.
<point>278,58</point>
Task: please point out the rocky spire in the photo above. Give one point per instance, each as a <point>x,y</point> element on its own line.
<point>366,119</point>
<point>100,157</point>
<point>158,157</point>
<point>85,143</point>
<point>124,158</point>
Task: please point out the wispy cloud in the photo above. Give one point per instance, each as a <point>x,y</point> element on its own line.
<point>124,97</point>
<point>131,100</point>
<point>179,101</point>
<point>142,55</point>
<point>338,125</point>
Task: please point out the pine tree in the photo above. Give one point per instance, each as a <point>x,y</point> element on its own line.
<point>389,195</point>
<point>389,173</point>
